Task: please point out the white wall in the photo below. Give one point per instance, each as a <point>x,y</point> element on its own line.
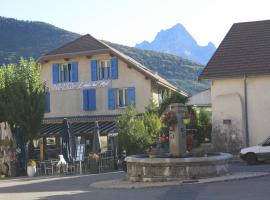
<point>228,103</point>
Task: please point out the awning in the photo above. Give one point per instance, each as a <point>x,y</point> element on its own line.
<point>78,128</point>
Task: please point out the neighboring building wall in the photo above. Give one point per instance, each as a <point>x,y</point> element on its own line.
<point>69,102</point>
<point>202,98</point>
<point>228,104</point>
<point>258,108</point>
<point>228,114</point>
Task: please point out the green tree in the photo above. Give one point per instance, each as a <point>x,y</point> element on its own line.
<point>131,131</point>
<point>22,97</point>
<point>169,99</point>
<point>136,132</point>
<point>152,125</point>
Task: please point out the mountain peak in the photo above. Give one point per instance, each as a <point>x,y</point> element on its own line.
<point>178,41</point>
<point>176,29</point>
<point>178,26</point>
<point>32,39</point>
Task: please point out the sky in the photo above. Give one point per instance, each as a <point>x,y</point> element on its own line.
<point>132,21</point>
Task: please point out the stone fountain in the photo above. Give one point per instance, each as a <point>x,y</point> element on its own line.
<point>176,165</point>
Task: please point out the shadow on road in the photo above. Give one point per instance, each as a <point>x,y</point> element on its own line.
<point>59,184</point>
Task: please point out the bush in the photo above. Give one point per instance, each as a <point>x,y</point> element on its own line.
<point>152,125</point>
<point>137,132</point>
<point>204,126</point>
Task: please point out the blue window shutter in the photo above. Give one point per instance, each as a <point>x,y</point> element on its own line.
<point>111,98</point>
<point>93,70</point>
<point>74,72</point>
<point>114,63</point>
<point>85,100</point>
<point>92,99</point>
<point>131,96</point>
<point>47,102</point>
<point>55,71</point>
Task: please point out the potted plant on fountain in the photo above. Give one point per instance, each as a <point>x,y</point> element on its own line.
<point>152,152</point>
<point>169,118</point>
<point>31,168</point>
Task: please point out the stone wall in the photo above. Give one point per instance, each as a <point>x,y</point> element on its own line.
<point>146,169</point>
<point>7,149</point>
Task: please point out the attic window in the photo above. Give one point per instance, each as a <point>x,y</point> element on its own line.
<point>104,69</point>
<point>65,72</point>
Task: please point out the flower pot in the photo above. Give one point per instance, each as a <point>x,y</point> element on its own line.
<point>31,171</point>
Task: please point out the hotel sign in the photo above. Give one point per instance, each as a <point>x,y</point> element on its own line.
<point>81,85</point>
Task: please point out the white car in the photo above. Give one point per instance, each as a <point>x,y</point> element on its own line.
<point>253,154</point>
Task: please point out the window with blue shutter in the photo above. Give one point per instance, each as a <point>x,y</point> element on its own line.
<point>47,102</point>
<point>131,96</point>
<point>93,70</point>
<point>89,100</point>
<point>92,99</point>
<point>67,72</point>
<point>74,72</point>
<point>55,73</point>
<point>114,64</point>
<point>111,98</point>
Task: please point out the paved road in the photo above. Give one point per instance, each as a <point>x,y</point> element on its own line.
<point>77,187</point>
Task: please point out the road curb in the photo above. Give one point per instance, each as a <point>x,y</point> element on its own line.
<point>236,159</point>
<point>122,184</point>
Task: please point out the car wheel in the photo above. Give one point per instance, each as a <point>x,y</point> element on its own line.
<point>251,159</point>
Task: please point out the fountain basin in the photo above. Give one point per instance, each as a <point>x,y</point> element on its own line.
<point>144,169</point>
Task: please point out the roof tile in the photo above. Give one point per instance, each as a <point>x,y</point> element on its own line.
<point>244,51</point>
<point>88,44</point>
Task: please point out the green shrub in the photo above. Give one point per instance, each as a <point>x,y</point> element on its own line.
<point>137,131</point>
<point>152,125</point>
<point>204,125</point>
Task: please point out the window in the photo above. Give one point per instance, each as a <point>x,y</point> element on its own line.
<point>266,142</point>
<point>122,97</point>
<point>65,73</point>
<point>89,100</point>
<point>104,69</point>
<point>160,95</point>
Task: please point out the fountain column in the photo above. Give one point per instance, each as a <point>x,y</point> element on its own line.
<point>178,137</point>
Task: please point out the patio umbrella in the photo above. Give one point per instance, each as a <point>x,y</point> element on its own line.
<point>68,142</point>
<point>96,140</point>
